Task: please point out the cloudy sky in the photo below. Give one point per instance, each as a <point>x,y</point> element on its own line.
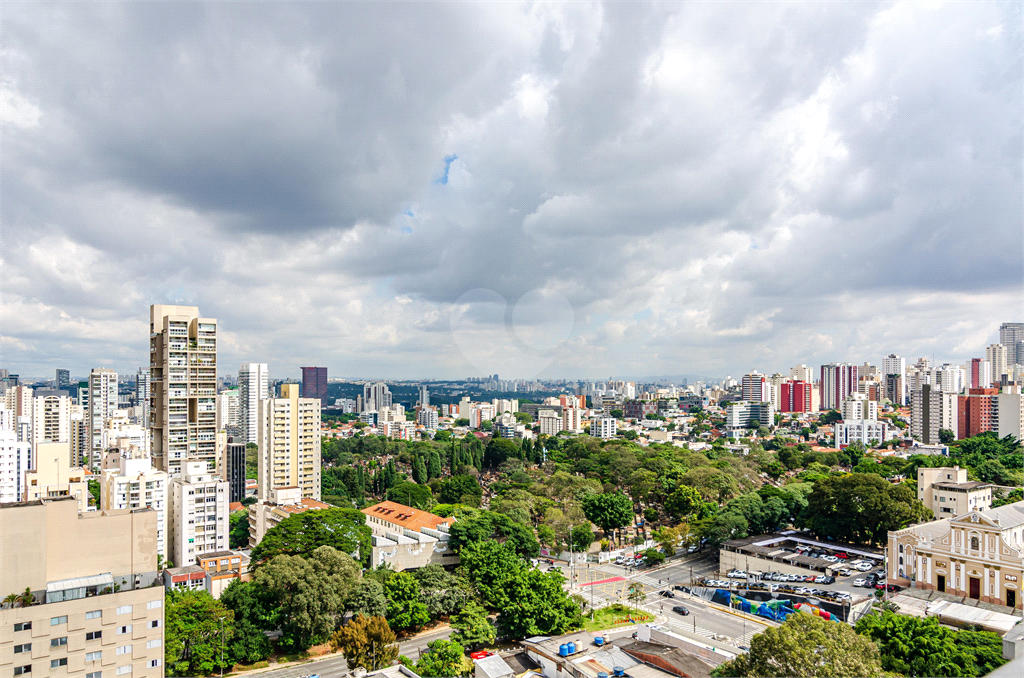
<point>556,189</point>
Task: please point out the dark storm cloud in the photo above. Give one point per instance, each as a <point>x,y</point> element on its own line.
<point>730,185</point>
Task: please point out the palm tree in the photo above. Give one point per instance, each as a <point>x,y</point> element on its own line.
<point>11,599</point>
<point>27,598</point>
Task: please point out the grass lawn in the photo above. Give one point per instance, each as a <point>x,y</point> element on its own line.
<point>613,616</point>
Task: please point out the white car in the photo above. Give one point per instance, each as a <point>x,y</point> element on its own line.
<point>863,567</point>
<point>830,559</point>
<point>860,582</point>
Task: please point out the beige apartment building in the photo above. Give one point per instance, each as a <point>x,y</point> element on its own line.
<point>288,438</point>
<point>198,517</point>
<point>53,478</point>
<point>97,604</point>
<point>183,387</point>
<point>947,492</point>
<point>978,554</point>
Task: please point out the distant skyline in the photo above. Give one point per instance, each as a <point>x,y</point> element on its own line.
<point>702,188</point>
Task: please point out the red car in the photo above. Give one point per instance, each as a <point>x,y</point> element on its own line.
<point>480,654</point>
<point>842,556</point>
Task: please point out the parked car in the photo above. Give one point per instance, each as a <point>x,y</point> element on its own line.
<point>693,549</point>
<point>666,594</point>
<point>844,572</point>
<point>480,654</point>
<point>863,567</point>
<point>679,609</point>
<point>680,587</point>
<point>820,580</point>
<point>842,556</point>
<point>830,559</point>
<point>860,582</point>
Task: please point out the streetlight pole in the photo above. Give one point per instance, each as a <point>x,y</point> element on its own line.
<point>222,647</point>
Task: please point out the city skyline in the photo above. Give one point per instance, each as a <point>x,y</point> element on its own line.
<point>654,189</point>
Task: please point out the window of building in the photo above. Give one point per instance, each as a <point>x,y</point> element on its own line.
<point>153,663</point>
<point>124,649</point>
<point>23,626</point>
<point>154,624</point>
<point>24,647</point>
<point>94,656</point>
<point>154,604</point>
<point>124,609</point>
<point>974,543</point>
<point>21,670</point>
<point>95,614</point>
<point>54,621</point>
<point>122,670</point>
<point>94,635</point>
<point>94,674</point>
<point>124,629</point>
<point>57,663</point>
<point>154,643</point>
<point>57,642</point>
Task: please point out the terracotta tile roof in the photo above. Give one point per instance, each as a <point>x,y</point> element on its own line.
<point>305,505</point>
<point>235,506</point>
<point>406,516</point>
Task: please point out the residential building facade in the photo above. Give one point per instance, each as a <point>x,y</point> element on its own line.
<point>947,492</point>
<point>183,385</point>
<point>199,513</point>
<point>253,386</point>
<point>314,383</point>
<point>289,443</point>
<point>102,405</point>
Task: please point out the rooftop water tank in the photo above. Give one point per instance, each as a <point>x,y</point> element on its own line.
<point>563,650</point>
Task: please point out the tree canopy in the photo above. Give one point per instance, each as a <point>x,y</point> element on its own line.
<point>861,507</point>
<point>340,528</point>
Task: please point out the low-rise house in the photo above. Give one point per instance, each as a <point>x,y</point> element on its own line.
<point>284,502</point>
<point>407,538</point>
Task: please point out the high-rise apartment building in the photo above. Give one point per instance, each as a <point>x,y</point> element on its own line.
<point>102,405</point>
<point>603,427</point>
<point>838,380</point>
<point>424,396</point>
<point>234,470</point>
<point>51,419</point>
<point>142,395</point>
<point>314,383</point>
<point>979,373</point>
<point>199,513</point>
<point>995,354</point>
<point>97,601</point>
<point>289,443</point>
<point>134,484</point>
<point>893,364</point>
<point>756,388</point>
<point>932,410</point>
<point>15,461</point>
<point>183,383</point>
<point>857,407</point>
<point>1011,335</point>
<point>51,476</point>
<point>228,406</point>
<point>795,396</point>
<point>802,373</point>
<point>63,379</point>
<point>991,409</point>
<point>427,417</point>
<point>253,386</point>
<point>376,396</point>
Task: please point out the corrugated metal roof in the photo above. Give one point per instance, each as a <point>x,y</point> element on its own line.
<point>80,582</point>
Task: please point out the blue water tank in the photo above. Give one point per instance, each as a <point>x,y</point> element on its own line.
<point>563,650</point>
<point>572,647</point>
<point>619,671</point>
<point>599,641</point>
<point>602,674</point>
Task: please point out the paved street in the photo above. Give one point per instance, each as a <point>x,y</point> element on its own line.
<point>335,666</point>
<point>613,584</point>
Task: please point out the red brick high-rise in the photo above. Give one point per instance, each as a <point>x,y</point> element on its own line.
<point>975,412</point>
<point>795,396</point>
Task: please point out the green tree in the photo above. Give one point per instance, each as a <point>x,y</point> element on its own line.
<point>443,659</point>
<point>830,417</point>
<point>684,502</point>
<point>917,646</point>
<point>367,642</point>
<point>252,451</point>
<point>310,593</point>
<point>452,490</point>
<point>488,525</point>
<point>367,598</point>
<point>617,414</point>
<point>440,591</point>
<point>195,626</point>
<point>581,537</point>
<point>498,450</point>
<point>609,510</point>
<point>490,566</point>
<point>340,528</point>
<point>249,644</point>
<point>538,605</point>
<point>404,611</point>
<point>723,527</point>
<point>654,557</point>
<point>238,535</point>
<point>472,627</point>
<point>409,494</point>
<point>546,535</point>
<point>806,646</point>
<point>434,466</point>
<point>861,507</point>
<point>946,436</point>
<point>636,594</point>
<point>94,492</point>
